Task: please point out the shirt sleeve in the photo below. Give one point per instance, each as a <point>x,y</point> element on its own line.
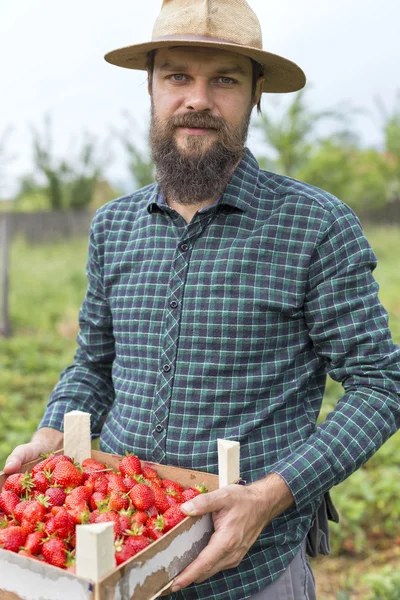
<point>87,385</point>
<point>348,328</point>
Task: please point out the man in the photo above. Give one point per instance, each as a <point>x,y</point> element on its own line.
<point>218,300</point>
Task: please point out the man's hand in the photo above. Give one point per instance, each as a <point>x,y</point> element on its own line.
<point>239,515</point>
<point>44,440</point>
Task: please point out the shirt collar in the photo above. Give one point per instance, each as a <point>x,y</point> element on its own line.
<point>238,193</point>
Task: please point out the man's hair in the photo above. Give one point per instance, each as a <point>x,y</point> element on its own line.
<point>258,71</point>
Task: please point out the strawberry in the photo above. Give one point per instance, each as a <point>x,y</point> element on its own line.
<point>124,523</point>
<point>67,475</point>
<point>77,496</point>
<point>20,509</point>
<point>54,552</point>
<point>137,543</point>
<point>123,552</point>
<point>63,523</point>
<point>100,484</point>
<point>172,488</point>
<point>142,496</point>
<point>107,517</point>
<point>155,527</point>
<point>36,509</point>
<point>18,483</point>
<point>56,496</point>
<point>34,542</point>
<point>172,517</point>
<point>130,465</point>
<point>115,483</point>
<point>190,493</point>
<point>140,517</point>
<point>97,499</point>
<point>148,472</point>
<point>129,483</point>
<point>160,499</point>
<point>12,538</point>
<point>41,481</point>
<point>50,463</point>
<point>28,526</point>
<point>90,464</point>
<point>8,502</point>
<point>118,501</point>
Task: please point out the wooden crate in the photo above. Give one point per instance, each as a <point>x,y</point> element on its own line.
<point>146,575</point>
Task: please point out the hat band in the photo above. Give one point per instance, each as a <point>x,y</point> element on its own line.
<point>193,38</point>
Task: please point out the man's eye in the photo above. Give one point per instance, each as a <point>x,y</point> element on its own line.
<point>226,80</point>
<point>178,77</point>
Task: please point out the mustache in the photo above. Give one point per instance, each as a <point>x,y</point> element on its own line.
<point>198,121</point>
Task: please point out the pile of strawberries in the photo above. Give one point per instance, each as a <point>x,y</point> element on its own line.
<point>39,510</point>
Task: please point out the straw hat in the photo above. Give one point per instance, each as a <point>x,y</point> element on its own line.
<point>223,24</point>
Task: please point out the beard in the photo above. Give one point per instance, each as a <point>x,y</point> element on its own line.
<point>201,170</point>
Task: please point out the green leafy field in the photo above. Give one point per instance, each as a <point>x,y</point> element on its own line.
<point>47,287</point>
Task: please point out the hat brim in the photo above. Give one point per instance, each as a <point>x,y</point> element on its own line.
<point>281,74</point>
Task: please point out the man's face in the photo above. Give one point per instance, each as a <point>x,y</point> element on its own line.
<point>201,89</point>
<point>201,104</point>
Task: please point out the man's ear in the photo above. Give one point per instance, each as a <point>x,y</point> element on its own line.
<point>259,91</point>
<point>149,82</point>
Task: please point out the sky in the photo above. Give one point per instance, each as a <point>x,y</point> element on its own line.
<point>51,62</point>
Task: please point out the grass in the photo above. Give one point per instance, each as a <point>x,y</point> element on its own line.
<point>47,286</point>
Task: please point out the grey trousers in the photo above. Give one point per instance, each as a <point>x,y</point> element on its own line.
<point>295,583</point>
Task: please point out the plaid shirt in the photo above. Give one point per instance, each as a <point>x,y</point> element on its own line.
<point>226,328</point>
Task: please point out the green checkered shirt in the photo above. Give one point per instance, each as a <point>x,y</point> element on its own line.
<point>226,328</point>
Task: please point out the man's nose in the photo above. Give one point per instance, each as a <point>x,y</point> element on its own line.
<point>199,97</point>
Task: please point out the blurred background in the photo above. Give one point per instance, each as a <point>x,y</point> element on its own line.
<point>73,135</point>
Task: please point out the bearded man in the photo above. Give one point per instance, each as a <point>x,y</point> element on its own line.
<point>218,300</point>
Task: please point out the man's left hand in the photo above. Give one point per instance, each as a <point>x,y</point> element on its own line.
<point>239,515</point>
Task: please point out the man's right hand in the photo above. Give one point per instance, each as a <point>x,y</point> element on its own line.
<point>44,440</point>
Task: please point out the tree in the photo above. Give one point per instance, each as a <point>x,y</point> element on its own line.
<point>139,162</point>
<point>291,135</point>
<point>67,183</point>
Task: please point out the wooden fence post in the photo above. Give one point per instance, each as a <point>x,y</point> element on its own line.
<point>5,326</point>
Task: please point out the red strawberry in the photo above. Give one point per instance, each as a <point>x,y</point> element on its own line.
<point>110,516</point>
<point>67,475</point>
<point>64,524</point>
<point>36,510</point>
<point>28,526</point>
<point>100,484</point>
<point>172,517</point>
<point>148,472</point>
<point>90,464</point>
<point>34,542</point>
<point>155,527</point>
<point>97,499</point>
<point>50,463</point>
<point>137,543</point>
<point>115,483</point>
<point>124,523</point>
<point>8,502</point>
<point>123,552</point>
<point>140,517</point>
<point>190,493</point>
<point>172,488</point>
<point>118,501</point>
<point>56,496</point>
<point>142,496</point>
<point>129,483</point>
<point>20,509</point>
<point>54,552</point>
<point>41,482</point>
<point>130,466</point>
<point>12,538</point>
<point>79,495</point>
<point>160,499</point>
<point>18,483</point>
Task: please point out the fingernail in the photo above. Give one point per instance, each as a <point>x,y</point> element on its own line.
<point>175,588</point>
<point>188,507</point>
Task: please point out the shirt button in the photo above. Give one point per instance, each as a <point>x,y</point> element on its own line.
<point>166,368</point>
<point>173,304</point>
<point>159,428</point>
<point>184,247</point>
